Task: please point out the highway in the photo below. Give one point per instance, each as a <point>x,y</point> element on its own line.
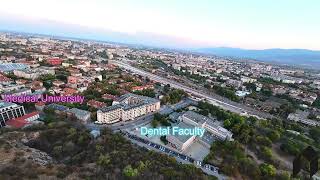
<point>211,98</point>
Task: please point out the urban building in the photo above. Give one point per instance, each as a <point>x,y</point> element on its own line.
<point>58,108</point>
<point>54,61</point>
<point>191,120</point>
<point>82,115</point>
<point>181,142</point>
<point>8,111</point>
<point>96,104</point>
<point>127,107</point>
<point>302,117</point>
<point>18,92</point>
<point>23,120</point>
<point>209,124</point>
<point>39,106</point>
<point>33,73</point>
<point>8,67</point>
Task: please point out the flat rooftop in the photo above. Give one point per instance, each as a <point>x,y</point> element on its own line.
<point>183,138</point>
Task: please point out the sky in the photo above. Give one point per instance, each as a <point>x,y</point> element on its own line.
<point>249,24</point>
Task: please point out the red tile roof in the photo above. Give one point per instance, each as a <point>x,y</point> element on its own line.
<point>40,103</point>
<point>140,88</point>
<point>109,96</point>
<point>55,61</point>
<point>69,91</point>
<point>4,78</point>
<point>96,104</point>
<point>21,121</point>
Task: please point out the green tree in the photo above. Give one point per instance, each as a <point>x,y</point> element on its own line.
<point>315,134</point>
<point>154,123</point>
<point>227,123</point>
<point>266,153</point>
<point>57,151</point>
<point>283,176</point>
<point>128,171</point>
<point>267,170</point>
<point>316,103</point>
<point>265,141</point>
<point>166,88</point>
<point>164,139</point>
<point>104,160</point>
<point>266,92</point>
<point>146,92</point>
<point>273,135</point>
<point>250,86</point>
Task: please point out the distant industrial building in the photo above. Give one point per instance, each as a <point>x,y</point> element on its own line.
<point>127,107</point>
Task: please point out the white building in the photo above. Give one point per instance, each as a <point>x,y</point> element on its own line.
<point>245,79</point>
<point>190,120</point>
<point>18,92</point>
<point>33,73</point>
<point>181,142</point>
<point>209,124</point>
<point>8,111</point>
<point>242,93</point>
<point>127,107</point>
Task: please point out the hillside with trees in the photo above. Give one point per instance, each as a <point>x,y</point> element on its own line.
<point>69,152</point>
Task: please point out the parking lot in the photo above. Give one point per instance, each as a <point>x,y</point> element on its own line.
<point>197,151</point>
<point>205,167</point>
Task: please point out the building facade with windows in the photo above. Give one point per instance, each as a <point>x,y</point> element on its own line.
<point>209,124</point>
<point>33,73</point>
<point>181,142</point>
<point>9,111</point>
<point>190,120</point>
<point>127,107</point>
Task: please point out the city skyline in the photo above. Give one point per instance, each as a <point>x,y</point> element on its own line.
<point>242,24</point>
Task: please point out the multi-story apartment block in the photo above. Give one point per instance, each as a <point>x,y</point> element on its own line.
<point>33,73</point>
<point>8,111</point>
<point>127,107</point>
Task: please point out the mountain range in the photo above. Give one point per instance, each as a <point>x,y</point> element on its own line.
<point>298,57</point>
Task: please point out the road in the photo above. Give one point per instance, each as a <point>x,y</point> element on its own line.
<point>181,158</point>
<point>142,120</point>
<point>210,97</point>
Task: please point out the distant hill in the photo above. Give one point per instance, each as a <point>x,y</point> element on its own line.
<point>299,57</point>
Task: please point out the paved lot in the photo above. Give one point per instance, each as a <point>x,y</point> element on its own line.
<point>208,169</point>
<point>197,151</point>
